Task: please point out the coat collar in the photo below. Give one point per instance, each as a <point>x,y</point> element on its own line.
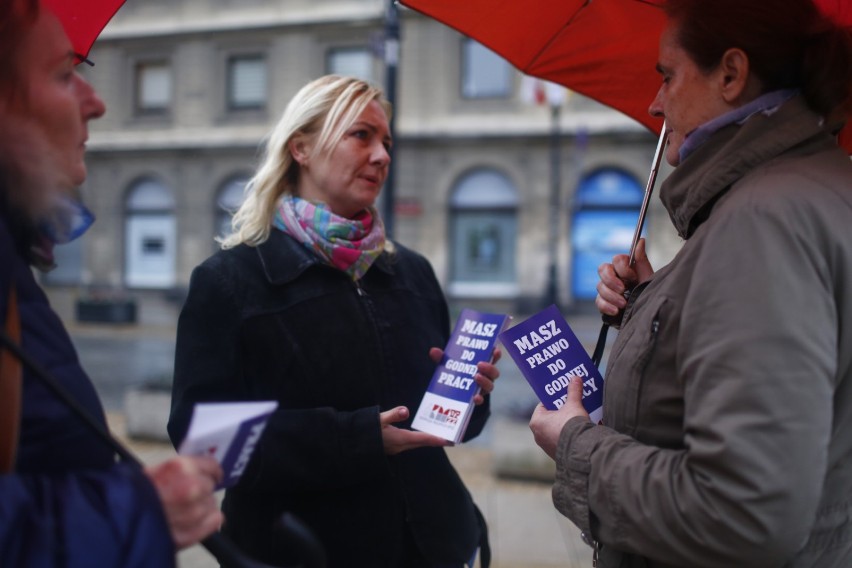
<point>284,259</point>
<point>733,152</point>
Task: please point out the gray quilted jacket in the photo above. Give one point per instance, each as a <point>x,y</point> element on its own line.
<point>727,436</point>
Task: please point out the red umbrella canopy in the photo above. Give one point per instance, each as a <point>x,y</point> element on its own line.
<point>605,50</point>
<point>838,10</point>
<point>83,20</point>
<point>841,12</point>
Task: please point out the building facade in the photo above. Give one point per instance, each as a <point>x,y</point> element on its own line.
<point>514,203</point>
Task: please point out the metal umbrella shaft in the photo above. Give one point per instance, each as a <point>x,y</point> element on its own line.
<point>649,189</point>
<point>225,551</point>
<point>637,234</point>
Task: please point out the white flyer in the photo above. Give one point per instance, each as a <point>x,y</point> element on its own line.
<point>228,432</point>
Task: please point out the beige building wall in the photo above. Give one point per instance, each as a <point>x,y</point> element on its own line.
<point>200,144</point>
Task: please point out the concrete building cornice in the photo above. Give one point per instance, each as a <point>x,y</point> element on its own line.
<point>177,139</point>
<point>518,125</point>
<point>141,26</point>
<point>455,128</point>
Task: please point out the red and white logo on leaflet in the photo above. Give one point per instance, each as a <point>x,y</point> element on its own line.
<point>444,415</point>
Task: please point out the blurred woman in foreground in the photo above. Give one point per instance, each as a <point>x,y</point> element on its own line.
<point>64,501</point>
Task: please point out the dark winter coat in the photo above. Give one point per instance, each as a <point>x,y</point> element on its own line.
<point>273,322</point>
<point>67,503</point>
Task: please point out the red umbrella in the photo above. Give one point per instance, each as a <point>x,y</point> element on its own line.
<point>603,49</point>
<point>83,20</point>
<point>841,12</point>
<point>838,10</point>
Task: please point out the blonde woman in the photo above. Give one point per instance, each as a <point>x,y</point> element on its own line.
<point>309,304</point>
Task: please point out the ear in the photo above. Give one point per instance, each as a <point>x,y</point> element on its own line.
<point>299,148</point>
<point>737,83</point>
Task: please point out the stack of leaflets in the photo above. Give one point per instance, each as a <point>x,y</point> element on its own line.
<point>228,432</point>
<point>448,403</point>
<point>548,354</point>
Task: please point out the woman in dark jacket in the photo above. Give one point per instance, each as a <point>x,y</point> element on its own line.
<point>64,501</point>
<point>308,304</point>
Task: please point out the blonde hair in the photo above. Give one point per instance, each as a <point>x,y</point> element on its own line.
<point>324,108</point>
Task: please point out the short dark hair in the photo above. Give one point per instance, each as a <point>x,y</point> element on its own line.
<point>792,45</point>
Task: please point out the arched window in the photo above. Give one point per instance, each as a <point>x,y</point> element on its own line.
<point>606,210</point>
<point>231,195</point>
<point>150,235</point>
<point>483,232</point>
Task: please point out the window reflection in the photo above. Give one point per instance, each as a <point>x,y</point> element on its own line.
<point>607,208</point>
<point>484,73</point>
<point>247,82</point>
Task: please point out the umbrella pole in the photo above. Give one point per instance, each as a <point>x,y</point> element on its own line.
<point>649,189</point>
<point>637,234</point>
<point>219,546</point>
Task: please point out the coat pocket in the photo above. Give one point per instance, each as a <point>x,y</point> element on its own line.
<point>629,382</point>
<point>647,325</point>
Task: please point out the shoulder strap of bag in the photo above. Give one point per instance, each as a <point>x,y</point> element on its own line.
<point>10,388</point>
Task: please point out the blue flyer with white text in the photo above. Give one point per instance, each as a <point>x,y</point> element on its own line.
<point>548,354</point>
<point>228,432</point>
<point>448,403</point>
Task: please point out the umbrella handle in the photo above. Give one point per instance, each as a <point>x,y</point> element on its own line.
<point>219,546</point>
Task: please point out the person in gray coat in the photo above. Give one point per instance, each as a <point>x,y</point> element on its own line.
<point>727,431</point>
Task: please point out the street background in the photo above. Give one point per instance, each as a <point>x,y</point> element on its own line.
<point>508,475</point>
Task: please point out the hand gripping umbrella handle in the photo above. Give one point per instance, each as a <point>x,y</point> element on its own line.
<point>637,234</point>
<point>225,551</point>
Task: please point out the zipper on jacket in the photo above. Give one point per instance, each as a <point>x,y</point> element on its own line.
<point>649,352</point>
<point>645,359</point>
<point>596,546</point>
<point>359,289</point>
<point>368,308</point>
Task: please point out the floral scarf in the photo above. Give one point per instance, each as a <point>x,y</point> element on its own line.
<point>351,245</point>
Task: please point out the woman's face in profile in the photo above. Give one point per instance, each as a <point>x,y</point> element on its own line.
<point>44,115</point>
<point>688,97</point>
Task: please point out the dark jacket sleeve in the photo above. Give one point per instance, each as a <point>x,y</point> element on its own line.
<point>87,511</point>
<point>108,519</point>
<point>307,448</point>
